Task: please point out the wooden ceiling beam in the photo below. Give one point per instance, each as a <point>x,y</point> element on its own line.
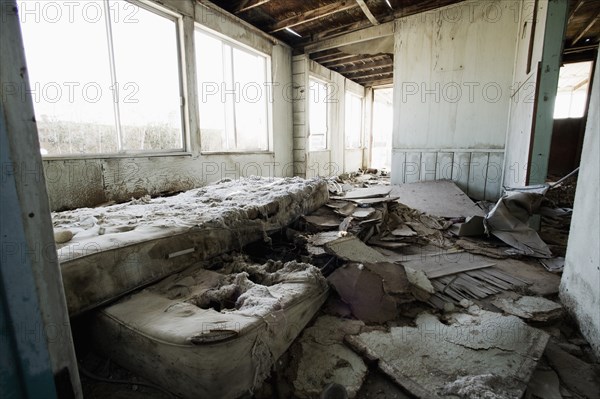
<point>365,9</point>
<point>334,58</point>
<point>313,15</point>
<point>248,5</point>
<point>326,53</point>
<point>575,9</point>
<point>587,27</point>
<point>377,82</point>
<point>351,60</point>
<point>365,66</point>
<point>373,32</point>
<point>387,71</point>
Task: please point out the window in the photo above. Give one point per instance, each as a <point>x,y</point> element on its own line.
<point>572,93</point>
<point>353,121</point>
<point>318,112</point>
<point>232,95</point>
<point>104,76</point>
<point>383,119</point>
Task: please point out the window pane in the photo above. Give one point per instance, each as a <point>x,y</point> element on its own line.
<point>67,57</point>
<point>233,103</point>
<point>147,69</point>
<point>251,109</point>
<point>383,118</point>
<point>317,110</point>
<point>353,120</point>
<point>572,93</point>
<point>210,75</point>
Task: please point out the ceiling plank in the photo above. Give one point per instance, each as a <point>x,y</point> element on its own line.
<point>373,32</point>
<point>334,58</point>
<point>367,12</point>
<point>377,82</point>
<point>314,14</point>
<point>575,9</point>
<point>248,5</point>
<point>366,66</point>
<point>387,71</point>
<point>353,59</point>
<point>325,54</point>
<point>588,26</point>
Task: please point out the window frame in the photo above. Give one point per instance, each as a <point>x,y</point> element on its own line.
<point>268,76</point>
<point>361,134</point>
<point>324,82</point>
<point>185,149</point>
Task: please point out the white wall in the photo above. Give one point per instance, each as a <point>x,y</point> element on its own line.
<point>453,73</point>
<point>580,285</point>
<point>336,158</point>
<point>77,182</point>
<point>518,138</point>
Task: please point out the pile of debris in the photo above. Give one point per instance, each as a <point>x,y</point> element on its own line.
<point>423,276</point>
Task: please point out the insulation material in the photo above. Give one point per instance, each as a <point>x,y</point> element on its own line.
<point>118,248</point>
<point>212,333</point>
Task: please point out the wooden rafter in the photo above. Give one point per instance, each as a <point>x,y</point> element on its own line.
<point>377,82</point>
<point>248,5</point>
<point>387,71</point>
<point>373,32</point>
<point>366,66</point>
<point>575,9</point>
<point>365,9</point>
<point>325,54</point>
<point>587,27</point>
<point>352,59</point>
<point>335,57</point>
<point>361,25</point>
<point>314,14</point>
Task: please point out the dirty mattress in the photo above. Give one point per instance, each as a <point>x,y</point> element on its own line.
<point>108,251</point>
<point>212,333</point>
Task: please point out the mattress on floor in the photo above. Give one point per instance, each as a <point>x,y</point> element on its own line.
<point>118,248</point>
<point>211,334</point>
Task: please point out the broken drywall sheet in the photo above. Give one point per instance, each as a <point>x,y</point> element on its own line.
<point>441,198</point>
<point>532,308</point>
<point>373,291</point>
<point>325,359</point>
<point>508,221</point>
<point>544,384</point>
<point>352,249</point>
<point>578,376</point>
<point>476,355</point>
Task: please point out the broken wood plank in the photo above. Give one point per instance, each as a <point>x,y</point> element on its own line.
<point>362,193</point>
<point>456,268</point>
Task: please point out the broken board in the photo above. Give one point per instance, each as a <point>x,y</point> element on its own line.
<point>440,198</point>
<point>473,355</point>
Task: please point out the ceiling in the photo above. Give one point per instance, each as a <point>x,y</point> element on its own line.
<point>303,24</point>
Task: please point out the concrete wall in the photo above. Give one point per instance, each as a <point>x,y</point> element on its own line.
<point>453,73</point>
<point>81,182</point>
<point>580,285</point>
<point>336,158</point>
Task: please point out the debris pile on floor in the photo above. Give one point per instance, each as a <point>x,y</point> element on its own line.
<point>433,296</point>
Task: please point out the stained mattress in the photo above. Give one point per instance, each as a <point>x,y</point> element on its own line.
<point>118,248</point>
<point>211,334</point>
